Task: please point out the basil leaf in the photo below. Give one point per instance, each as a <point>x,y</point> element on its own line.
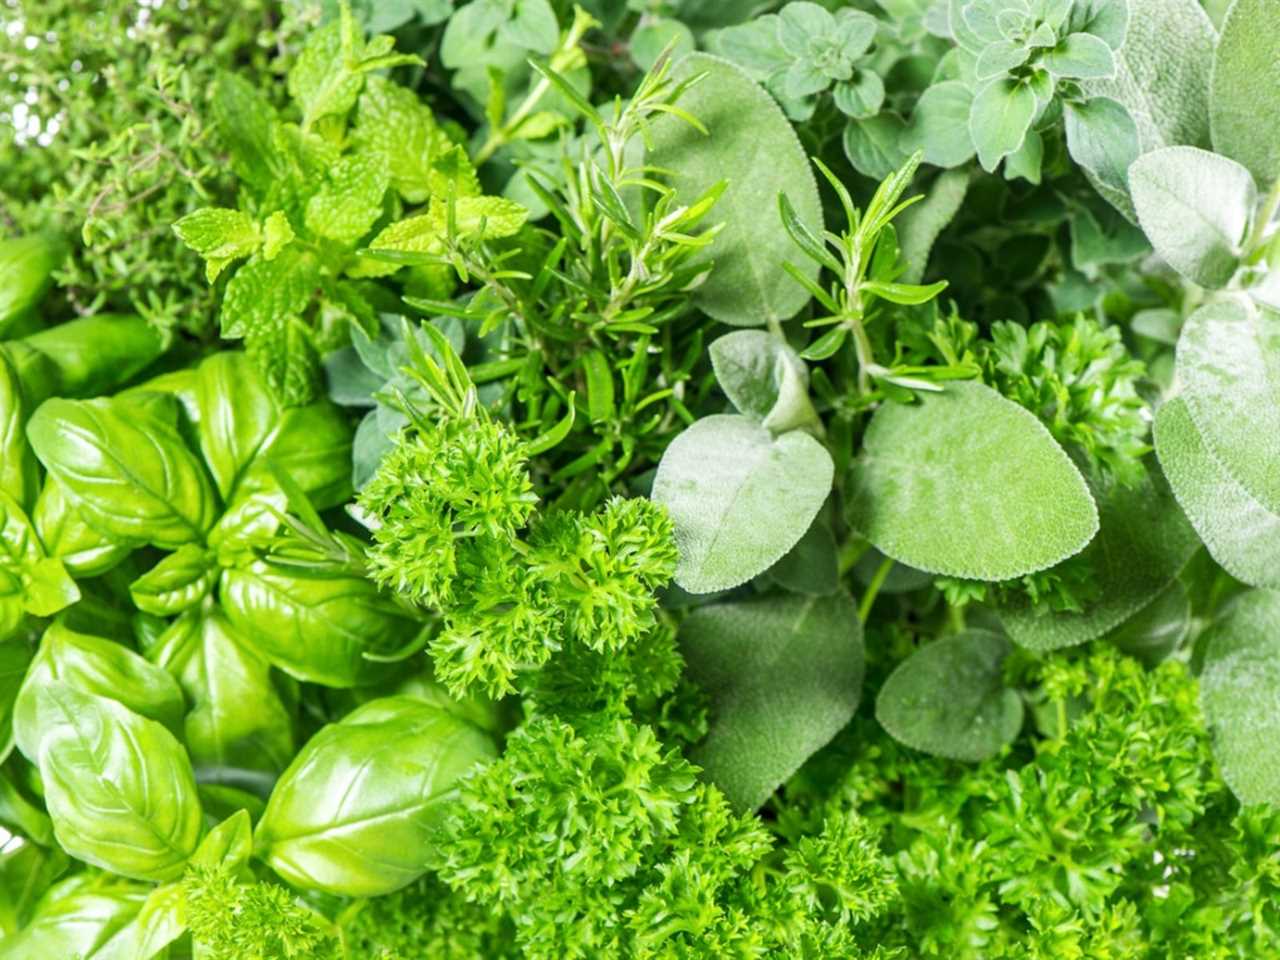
<point>784,675</point>
<point>739,497</point>
<point>747,286</point>
<point>370,831</point>
<point>949,698</point>
<point>19,472</point>
<point>1239,690</point>
<point>125,468</point>
<point>158,924</point>
<point>968,484</point>
<point>176,583</point>
<point>74,919</point>
<point>83,551</point>
<point>119,787</point>
<point>14,661</point>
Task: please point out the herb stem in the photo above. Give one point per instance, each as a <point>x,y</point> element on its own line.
<point>1265,216</point>
<point>873,588</point>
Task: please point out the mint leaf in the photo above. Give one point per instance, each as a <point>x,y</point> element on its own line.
<point>218,235</point>
<point>345,208</point>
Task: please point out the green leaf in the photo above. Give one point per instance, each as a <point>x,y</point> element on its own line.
<point>747,286</point>
<point>949,698</point>
<point>812,566</point>
<point>119,787</point>
<point>764,378</point>
<point>219,235</point>
<point>263,293</point>
<point>784,675</point>
<point>920,224</point>
<point>1162,73</point>
<point>1081,56</point>
<point>276,235</point>
<point>1158,629</point>
<point>321,79</point>
<point>739,497</point>
<point>236,718</point>
<point>83,551</point>
<point>876,146</point>
<point>940,125</point>
<point>126,469</point>
<point>96,666</point>
<point>350,201</point>
<point>74,919</point>
<point>861,97</point>
<point>176,583</point>
<point>1143,542</point>
<point>245,119</point>
<point>19,472</point>
<point>968,484</point>
<point>655,35</point>
<point>999,119</point>
<point>1194,207</point>
<point>1239,689</point>
<point>26,273</point>
<point>1244,97</point>
<point>14,660</point>
<point>392,122</point>
<point>158,924</point>
<point>286,356</point>
<point>1229,364</point>
<point>373,832</point>
<point>1241,532</point>
<point>1103,139</point>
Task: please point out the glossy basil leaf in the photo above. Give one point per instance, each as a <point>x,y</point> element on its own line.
<point>747,286</point>
<point>26,273</point>
<point>14,660</point>
<point>229,844</point>
<point>95,666</point>
<point>784,675</point>
<point>1143,542</point>
<point>739,497</point>
<point>1194,207</point>
<point>19,471</point>
<point>27,870</point>
<point>968,484</point>
<point>75,918</point>
<point>236,717</point>
<point>1229,365</point>
<point>315,627</point>
<point>1240,531</point>
<point>159,923</point>
<point>373,828</point>
<point>119,787</point>
<point>31,582</point>
<point>764,378</point>
<point>243,429</point>
<point>949,699</point>
<point>1239,689</point>
<point>22,815</point>
<point>1244,96</point>
<point>84,552</point>
<point>93,355</point>
<point>125,468</point>
<point>178,582</point>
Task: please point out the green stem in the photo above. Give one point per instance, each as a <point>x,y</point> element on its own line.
<point>873,588</point>
<point>1265,216</point>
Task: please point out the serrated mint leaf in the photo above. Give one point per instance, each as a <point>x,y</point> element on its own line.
<point>1240,695</point>
<point>1229,365</point>
<point>1194,207</point>
<point>948,698</point>
<point>351,199</point>
<point>245,121</point>
<point>740,498</point>
<point>1241,533</point>
<point>287,359</point>
<point>999,119</point>
<point>219,235</point>
<point>968,484</point>
<point>276,235</point>
<point>747,286</point>
<point>321,79</point>
<point>394,123</point>
<point>264,292</point>
<point>784,674</point>
<point>1244,97</point>
<point>1143,542</point>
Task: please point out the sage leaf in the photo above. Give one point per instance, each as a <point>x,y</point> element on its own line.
<point>1158,629</point>
<point>1194,207</point>
<point>739,497</point>
<point>920,224</point>
<point>764,378</point>
<point>1244,93</point>
<point>1240,695</point>
<point>1240,532</point>
<point>948,698</point>
<point>968,484</point>
<point>1103,139</point>
<point>784,674</point>
<point>747,286</point>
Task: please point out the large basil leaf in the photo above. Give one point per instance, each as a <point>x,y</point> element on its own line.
<point>95,666</point>
<point>74,919</point>
<point>244,429</point>
<point>968,484</point>
<point>66,537</point>
<point>1144,540</point>
<point>359,810</point>
<point>177,583</point>
<point>315,627</point>
<point>157,924</point>
<point>784,674</point>
<point>237,718</point>
<point>19,472</point>
<point>95,354</point>
<point>27,871</point>
<point>747,287</point>
<point>26,269</point>
<point>29,581</point>
<point>14,660</point>
<point>949,698</point>
<point>119,787</point>
<point>1240,694</point>
<point>1194,207</point>
<point>1244,97</point>
<point>1229,364</point>
<point>740,498</point>
<point>125,468</point>
<point>1240,531</point>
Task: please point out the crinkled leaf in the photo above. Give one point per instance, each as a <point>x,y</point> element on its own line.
<point>393,122</point>
<point>351,199</point>
<point>219,235</point>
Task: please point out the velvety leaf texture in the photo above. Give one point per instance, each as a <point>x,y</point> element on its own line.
<point>1244,99</point>
<point>968,484</point>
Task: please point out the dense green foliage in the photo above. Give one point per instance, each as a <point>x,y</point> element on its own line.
<point>651,479</point>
